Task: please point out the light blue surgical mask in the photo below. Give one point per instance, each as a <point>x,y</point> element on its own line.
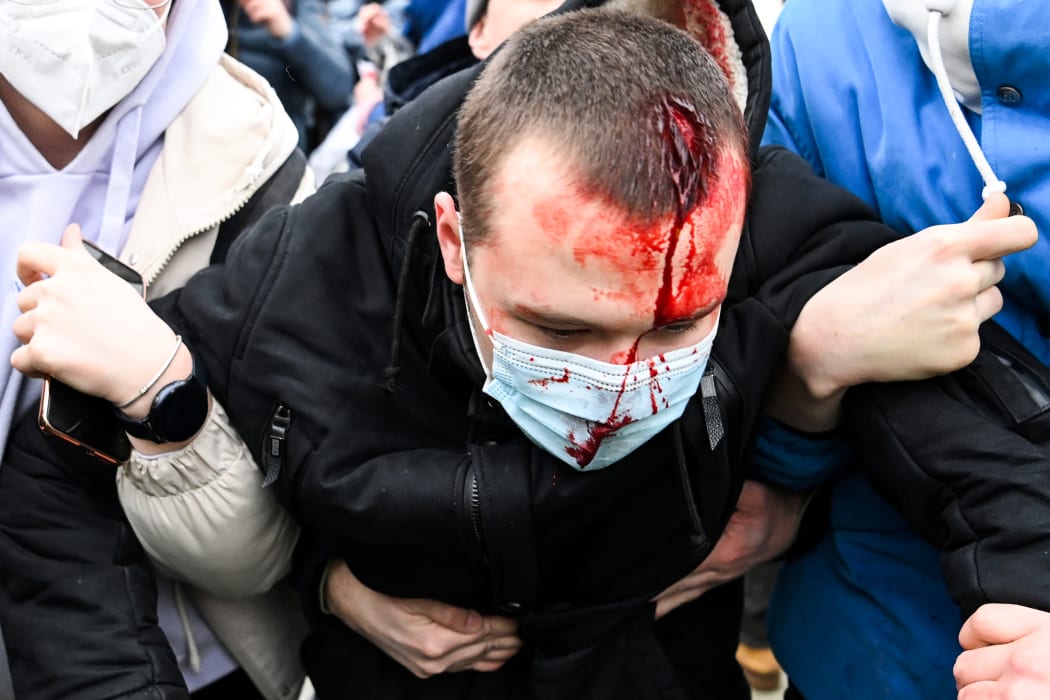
<point>587,413</point>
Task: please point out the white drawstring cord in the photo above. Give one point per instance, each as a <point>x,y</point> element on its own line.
<point>992,184</point>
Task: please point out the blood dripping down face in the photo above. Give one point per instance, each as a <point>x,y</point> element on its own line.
<point>568,268</point>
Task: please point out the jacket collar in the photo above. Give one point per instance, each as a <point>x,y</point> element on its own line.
<point>202,176</point>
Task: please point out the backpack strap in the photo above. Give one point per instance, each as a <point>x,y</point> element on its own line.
<point>276,191</point>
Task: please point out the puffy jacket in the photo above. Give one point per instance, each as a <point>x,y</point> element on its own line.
<point>78,601</point>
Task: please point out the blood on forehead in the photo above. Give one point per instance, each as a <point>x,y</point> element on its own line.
<point>667,269</point>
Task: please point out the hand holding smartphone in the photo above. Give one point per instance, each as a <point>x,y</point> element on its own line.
<point>88,422</point>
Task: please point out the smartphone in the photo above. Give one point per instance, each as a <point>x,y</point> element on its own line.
<point>82,420</point>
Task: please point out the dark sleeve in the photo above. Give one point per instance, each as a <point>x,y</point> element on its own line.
<point>802,232</point>
<point>78,600</point>
<point>965,458</point>
<point>298,322</point>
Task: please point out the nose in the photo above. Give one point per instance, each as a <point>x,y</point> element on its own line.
<point>624,353</point>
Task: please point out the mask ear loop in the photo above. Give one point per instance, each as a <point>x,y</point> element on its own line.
<point>474,308</point>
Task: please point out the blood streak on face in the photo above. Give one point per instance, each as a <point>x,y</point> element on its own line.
<point>626,357</point>
<point>705,204</point>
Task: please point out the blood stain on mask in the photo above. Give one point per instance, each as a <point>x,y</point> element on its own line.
<point>563,379</point>
<point>583,451</point>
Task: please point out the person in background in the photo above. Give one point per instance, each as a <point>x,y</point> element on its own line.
<point>923,110</point>
<point>290,44</point>
<point>160,149</point>
<point>488,25</point>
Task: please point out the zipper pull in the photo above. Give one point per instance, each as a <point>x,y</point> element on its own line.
<point>273,447</point>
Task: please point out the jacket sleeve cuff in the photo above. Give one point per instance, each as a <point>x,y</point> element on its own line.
<point>795,460</point>
<point>202,515</point>
<point>322,590</point>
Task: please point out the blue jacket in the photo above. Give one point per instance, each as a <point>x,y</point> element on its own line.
<point>868,610</point>
<point>307,68</point>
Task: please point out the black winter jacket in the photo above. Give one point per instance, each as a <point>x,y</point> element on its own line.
<point>342,355</point>
<point>966,458</point>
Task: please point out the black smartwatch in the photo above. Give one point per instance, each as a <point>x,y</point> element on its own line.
<point>178,410</point>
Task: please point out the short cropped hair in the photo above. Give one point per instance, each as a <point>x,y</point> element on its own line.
<point>640,109</point>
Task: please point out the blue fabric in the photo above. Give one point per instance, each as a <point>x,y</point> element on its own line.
<point>868,615</point>
<point>430,23</point>
<point>308,67</point>
<point>793,460</point>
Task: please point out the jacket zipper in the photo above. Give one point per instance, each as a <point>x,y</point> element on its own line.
<point>475,512</point>
<point>249,188</point>
<point>274,445</point>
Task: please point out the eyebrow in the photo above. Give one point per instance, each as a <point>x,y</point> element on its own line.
<point>549,318</point>
<point>706,311</point>
<point>545,318</point>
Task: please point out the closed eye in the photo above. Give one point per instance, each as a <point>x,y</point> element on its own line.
<point>679,326</point>
<point>562,333</point>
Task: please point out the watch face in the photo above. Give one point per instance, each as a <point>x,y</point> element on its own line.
<point>181,408</point>
<point>178,411</point>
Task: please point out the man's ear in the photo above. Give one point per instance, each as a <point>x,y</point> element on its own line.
<point>478,41</point>
<point>447,220</point>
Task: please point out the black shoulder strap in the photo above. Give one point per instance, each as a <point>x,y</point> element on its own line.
<point>278,190</point>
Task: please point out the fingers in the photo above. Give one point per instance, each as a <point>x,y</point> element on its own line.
<point>38,259</point>
<point>987,240</point>
<point>20,361</point>
<point>988,303</point>
<point>489,653</point>
<point>71,237</point>
<point>24,327</point>
<point>985,690</point>
<point>456,619</point>
<point>686,591</point>
<point>441,650</point>
<point>500,626</point>
<point>984,664</point>
<point>999,623</point>
<point>996,206</point>
<point>989,272</point>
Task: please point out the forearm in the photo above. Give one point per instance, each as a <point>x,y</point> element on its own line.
<point>319,61</point>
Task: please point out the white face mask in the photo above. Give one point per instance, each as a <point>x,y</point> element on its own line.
<point>587,413</point>
<point>74,59</point>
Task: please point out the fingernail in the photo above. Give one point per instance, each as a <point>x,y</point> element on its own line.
<point>473,621</point>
